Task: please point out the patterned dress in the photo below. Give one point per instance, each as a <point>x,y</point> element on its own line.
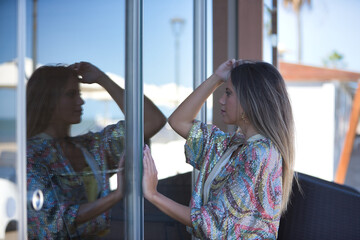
<point>245,197</point>
<point>50,171</point>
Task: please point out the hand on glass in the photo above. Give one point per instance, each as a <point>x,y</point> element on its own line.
<point>150,179</point>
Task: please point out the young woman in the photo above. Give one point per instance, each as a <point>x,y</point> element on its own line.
<point>245,177</point>
<point>73,172</point>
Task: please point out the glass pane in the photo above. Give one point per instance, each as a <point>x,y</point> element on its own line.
<point>75,124</point>
<point>267,31</point>
<point>8,81</point>
<point>168,80</point>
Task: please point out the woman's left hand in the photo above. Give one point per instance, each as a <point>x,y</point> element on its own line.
<point>87,72</point>
<point>150,179</point>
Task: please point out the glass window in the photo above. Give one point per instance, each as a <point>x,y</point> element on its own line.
<point>168,80</point>
<point>168,74</point>
<point>8,146</point>
<point>269,37</point>
<point>75,139</point>
<point>75,119</point>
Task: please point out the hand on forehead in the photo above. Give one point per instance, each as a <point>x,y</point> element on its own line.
<point>241,61</point>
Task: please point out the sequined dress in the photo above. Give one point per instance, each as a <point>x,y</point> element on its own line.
<point>50,171</point>
<point>245,196</point>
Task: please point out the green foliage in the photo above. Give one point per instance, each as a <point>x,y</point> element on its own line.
<point>334,60</point>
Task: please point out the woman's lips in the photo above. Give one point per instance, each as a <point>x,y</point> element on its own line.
<point>79,111</point>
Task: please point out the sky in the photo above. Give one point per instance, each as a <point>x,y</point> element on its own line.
<point>94,31</point>
<point>327,25</point>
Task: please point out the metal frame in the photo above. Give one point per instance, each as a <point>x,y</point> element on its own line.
<point>199,58</point>
<point>134,202</point>
<point>200,48</point>
<point>21,120</point>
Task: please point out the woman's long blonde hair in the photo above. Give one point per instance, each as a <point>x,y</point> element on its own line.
<point>263,96</point>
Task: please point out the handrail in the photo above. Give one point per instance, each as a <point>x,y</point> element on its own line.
<point>341,171</point>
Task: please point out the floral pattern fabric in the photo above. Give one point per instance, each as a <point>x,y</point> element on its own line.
<point>245,197</point>
<point>50,171</point>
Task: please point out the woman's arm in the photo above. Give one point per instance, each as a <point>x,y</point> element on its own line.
<point>182,118</point>
<point>91,210</point>
<point>154,120</point>
<point>91,74</point>
<point>171,208</point>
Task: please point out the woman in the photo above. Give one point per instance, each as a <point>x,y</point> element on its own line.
<point>245,177</point>
<point>73,172</point>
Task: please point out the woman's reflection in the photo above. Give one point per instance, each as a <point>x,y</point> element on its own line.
<point>73,172</point>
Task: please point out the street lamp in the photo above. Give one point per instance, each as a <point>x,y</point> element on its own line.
<point>177,25</point>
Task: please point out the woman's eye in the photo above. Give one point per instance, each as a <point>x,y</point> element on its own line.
<point>227,93</point>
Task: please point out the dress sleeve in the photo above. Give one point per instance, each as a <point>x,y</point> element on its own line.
<point>111,140</point>
<point>247,206</point>
<point>55,218</point>
<point>203,143</point>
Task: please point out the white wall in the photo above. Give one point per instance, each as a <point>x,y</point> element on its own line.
<point>314,113</point>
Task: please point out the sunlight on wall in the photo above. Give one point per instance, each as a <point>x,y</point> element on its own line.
<point>313,108</point>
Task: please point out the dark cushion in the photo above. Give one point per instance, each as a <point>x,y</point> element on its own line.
<point>321,210</point>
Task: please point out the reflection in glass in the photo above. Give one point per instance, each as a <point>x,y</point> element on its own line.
<point>72,171</point>
<point>168,80</point>
<point>9,220</point>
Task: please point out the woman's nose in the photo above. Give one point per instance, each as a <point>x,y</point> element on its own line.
<point>221,100</point>
<point>80,101</point>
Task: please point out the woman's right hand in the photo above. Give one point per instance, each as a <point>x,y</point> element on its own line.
<point>89,73</point>
<point>120,179</point>
<point>224,69</point>
<point>90,210</point>
<point>150,180</point>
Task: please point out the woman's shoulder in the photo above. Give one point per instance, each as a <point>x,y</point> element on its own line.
<point>263,152</point>
<point>100,133</point>
<point>237,138</point>
<point>38,150</point>
<point>36,143</point>
<point>259,142</point>
<point>204,130</point>
<point>118,127</point>
<point>262,147</point>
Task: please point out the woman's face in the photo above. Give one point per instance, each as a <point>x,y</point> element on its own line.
<point>68,109</point>
<point>230,106</point>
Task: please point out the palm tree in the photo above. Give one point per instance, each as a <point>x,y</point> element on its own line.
<point>334,60</point>
<point>297,6</point>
